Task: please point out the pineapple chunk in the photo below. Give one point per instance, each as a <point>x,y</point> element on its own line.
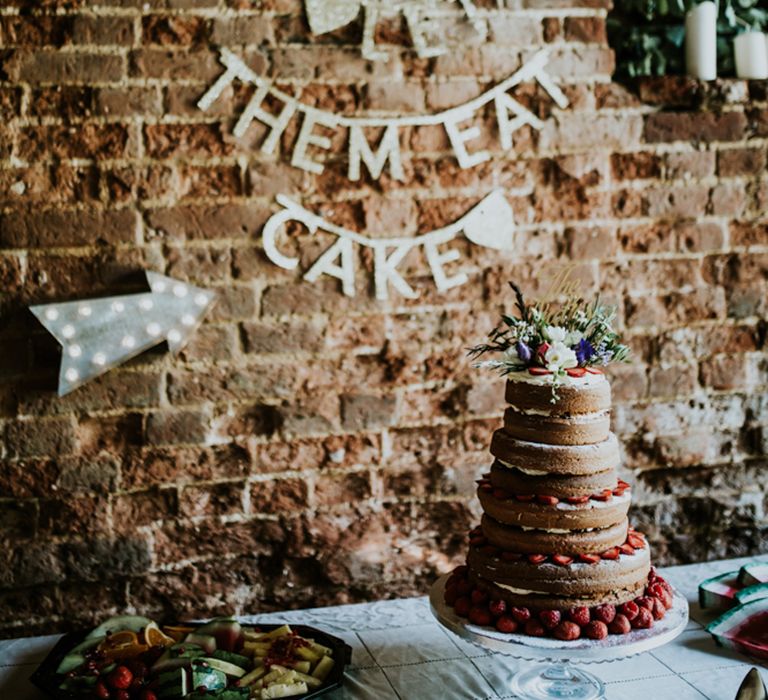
<point>252,677</point>
<point>263,636</point>
<point>283,691</point>
<point>323,668</point>
<point>308,654</point>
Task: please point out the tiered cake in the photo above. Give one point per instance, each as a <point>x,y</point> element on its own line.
<point>554,552</point>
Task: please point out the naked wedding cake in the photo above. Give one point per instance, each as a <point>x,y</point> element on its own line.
<point>554,553</point>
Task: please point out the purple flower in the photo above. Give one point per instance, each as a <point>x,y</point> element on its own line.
<point>523,352</point>
<point>584,351</point>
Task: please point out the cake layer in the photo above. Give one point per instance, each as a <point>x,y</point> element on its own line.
<point>593,514</point>
<point>554,541</point>
<point>521,582</point>
<point>536,459</point>
<point>515,481</point>
<point>581,429</point>
<point>588,394</point>
<point>547,601</point>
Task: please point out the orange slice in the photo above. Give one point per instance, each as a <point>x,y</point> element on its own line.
<point>153,637</point>
<point>120,639</point>
<point>178,633</point>
<point>127,651</point>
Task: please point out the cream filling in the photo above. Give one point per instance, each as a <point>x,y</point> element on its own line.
<point>518,591</point>
<point>546,379</point>
<point>592,417</point>
<point>555,531</point>
<point>530,472</point>
<point>596,504</point>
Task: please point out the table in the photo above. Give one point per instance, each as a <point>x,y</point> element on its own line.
<point>401,653</point>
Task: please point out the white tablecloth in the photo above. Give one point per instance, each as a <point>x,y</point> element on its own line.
<point>400,652</point>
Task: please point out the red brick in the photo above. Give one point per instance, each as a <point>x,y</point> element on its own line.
<point>362,412</point>
<point>173,30</point>
<point>102,30</point>
<point>182,64</point>
<point>695,126</point>
<point>341,489</point>
<point>696,237</point>
<point>635,166</point>
<point>201,222</point>
<point>128,101</point>
<point>31,437</point>
<point>591,242</point>
<point>586,29</point>
<point>740,161</point>
<point>746,234</point>
<point>295,336</point>
<point>177,427</point>
<point>57,228</point>
<point>245,30</point>
<point>225,498</point>
<point>674,381</point>
<point>170,140</point>
<point>690,164</point>
<point>676,202</point>
<point>280,496</point>
<point>98,141</point>
<point>671,91</point>
<point>725,372</point>
<point>67,67</point>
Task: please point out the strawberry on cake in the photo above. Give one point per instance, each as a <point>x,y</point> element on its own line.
<point>554,554</point>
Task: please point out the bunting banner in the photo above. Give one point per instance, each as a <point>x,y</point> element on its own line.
<point>490,223</point>
<point>420,15</point>
<point>510,116</point>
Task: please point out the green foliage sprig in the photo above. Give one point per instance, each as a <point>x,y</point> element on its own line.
<point>648,35</point>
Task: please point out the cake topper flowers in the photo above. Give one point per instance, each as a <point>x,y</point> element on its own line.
<point>573,340</point>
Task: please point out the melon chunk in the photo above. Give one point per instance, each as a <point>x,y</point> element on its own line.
<point>719,592</point>
<point>226,631</point>
<point>750,593</point>
<point>744,629</point>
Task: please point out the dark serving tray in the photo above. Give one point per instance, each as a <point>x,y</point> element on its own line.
<point>46,678</point>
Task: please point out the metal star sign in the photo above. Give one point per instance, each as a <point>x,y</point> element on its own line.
<point>99,334</point>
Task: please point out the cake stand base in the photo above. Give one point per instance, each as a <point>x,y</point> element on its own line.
<point>558,677</point>
<point>561,680</point>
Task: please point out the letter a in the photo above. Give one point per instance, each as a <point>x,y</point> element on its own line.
<point>325,265</point>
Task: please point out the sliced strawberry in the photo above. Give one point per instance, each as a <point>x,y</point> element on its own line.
<point>612,553</point>
<point>537,558</point>
<point>594,370</point>
<point>562,559</point>
<point>525,497</point>
<point>636,541</point>
<point>627,549</point>
<point>576,372</point>
<point>577,500</point>
<point>501,494</point>
<point>605,495</point>
<point>538,371</point>
<point>589,558</point>
<point>548,500</point>
<point>623,484</point>
<point>486,488</point>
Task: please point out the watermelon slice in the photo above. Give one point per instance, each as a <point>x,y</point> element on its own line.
<point>744,629</point>
<point>201,639</point>
<point>132,623</point>
<point>751,574</point>
<point>719,592</point>
<point>750,593</point>
<point>75,656</point>
<point>227,632</point>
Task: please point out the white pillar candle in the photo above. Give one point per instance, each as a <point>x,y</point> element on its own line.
<point>751,56</point>
<point>701,41</point>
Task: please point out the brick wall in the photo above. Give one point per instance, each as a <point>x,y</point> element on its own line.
<point>307,448</point>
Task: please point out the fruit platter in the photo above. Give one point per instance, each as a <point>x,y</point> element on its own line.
<point>135,658</point>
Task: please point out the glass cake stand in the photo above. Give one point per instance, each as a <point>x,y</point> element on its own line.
<point>557,677</point>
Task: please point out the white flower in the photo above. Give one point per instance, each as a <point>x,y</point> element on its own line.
<point>559,357</point>
<point>510,355</point>
<point>574,337</point>
<point>555,334</point>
